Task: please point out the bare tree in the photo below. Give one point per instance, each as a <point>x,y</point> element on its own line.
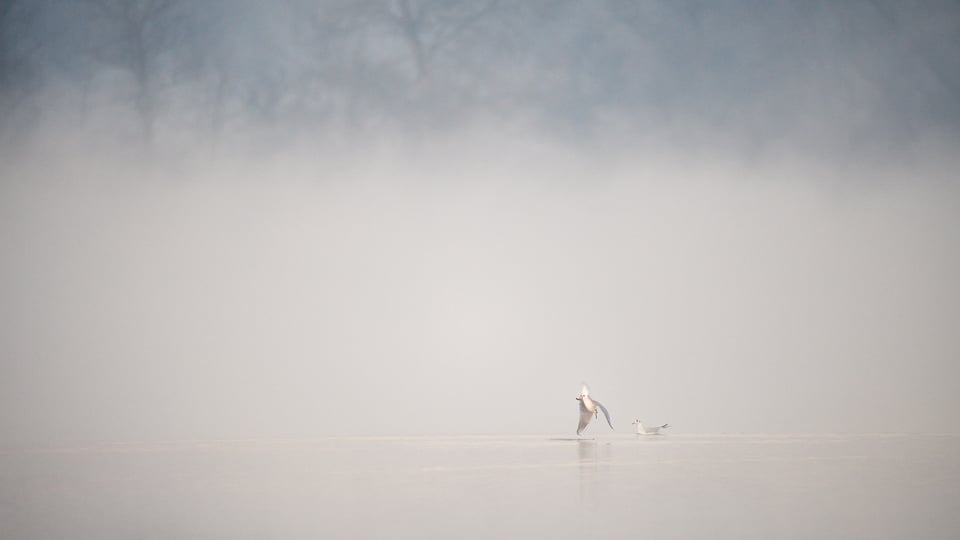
<point>18,46</point>
<point>138,33</point>
<point>428,26</point>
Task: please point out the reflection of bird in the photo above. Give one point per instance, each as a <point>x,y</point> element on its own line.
<point>648,431</point>
<point>588,409</point>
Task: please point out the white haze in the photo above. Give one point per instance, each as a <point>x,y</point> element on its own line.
<point>303,218</point>
<point>437,290</point>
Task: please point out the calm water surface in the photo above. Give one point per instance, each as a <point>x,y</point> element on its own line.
<point>616,486</point>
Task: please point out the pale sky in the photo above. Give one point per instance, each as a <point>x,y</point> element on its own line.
<point>767,244</point>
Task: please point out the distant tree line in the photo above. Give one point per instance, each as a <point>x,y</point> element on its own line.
<point>221,69</point>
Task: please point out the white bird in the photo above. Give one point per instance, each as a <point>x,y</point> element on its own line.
<point>648,431</point>
<point>588,409</point>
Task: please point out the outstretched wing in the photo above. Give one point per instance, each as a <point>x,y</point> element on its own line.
<point>585,417</point>
<point>605,413</point>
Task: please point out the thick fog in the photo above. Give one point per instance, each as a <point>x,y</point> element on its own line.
<point>244,219</point>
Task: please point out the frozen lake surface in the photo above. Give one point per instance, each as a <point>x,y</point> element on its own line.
<point>616,486</point>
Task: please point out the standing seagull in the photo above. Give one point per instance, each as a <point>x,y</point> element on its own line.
<point>588,409</point>
<point>648,431</point>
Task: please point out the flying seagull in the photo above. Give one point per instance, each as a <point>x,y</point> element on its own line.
<point>648,431</point>
<point>588,409</point>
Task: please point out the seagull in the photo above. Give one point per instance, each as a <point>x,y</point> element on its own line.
<point>588,409</point>
<point>648,431</point>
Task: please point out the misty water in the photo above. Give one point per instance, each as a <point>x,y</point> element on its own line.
<point>277,246</point>
<point>612,486</point>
